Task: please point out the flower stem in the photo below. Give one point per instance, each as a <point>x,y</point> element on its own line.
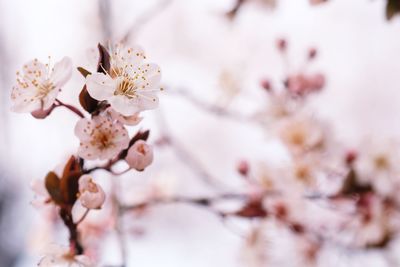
<point>70,107</point>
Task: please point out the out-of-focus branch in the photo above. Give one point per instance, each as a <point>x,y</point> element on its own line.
<point>210,108</point>
<point>145,18</point>
<point>205,202</point>
<point>186,157</point>
<point>119,227</point>
<point>105,19</point>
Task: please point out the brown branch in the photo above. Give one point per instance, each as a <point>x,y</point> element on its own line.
<point>74,241</point>
<point>75,110</point>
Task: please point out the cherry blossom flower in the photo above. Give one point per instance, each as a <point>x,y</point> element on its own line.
<point>377,164</point>
<point>374,222</point>
<point>302,84</point>
<point>91,195</point>
<point>58,256</point>
<point>41,197</point>
<point>302,134</point>
<point>101,138</point>
<point>140,155</point>
<point>38,86</point>
<point>126,120</point>
<point>130,85</point>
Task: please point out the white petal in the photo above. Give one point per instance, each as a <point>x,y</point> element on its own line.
<point>83,129</point>
<point>62,72</point>
<point>25,100</point>
<point>49,99</point>
<point>147,100</point>
<point>100,86</point>
<point>35,70</point>
<point>149,76</point>
<point>78,210</point>
<point>124,105</point>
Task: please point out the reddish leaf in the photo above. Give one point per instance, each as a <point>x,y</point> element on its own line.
<point>253,209</point>
<point>70,187</point>
<point>87,102</point>
<point>52,184</point>
<point>69,181</point>
<point>84,71</point>
<point>352,186</point>
<point>104,60</point>
<point>392,8</point>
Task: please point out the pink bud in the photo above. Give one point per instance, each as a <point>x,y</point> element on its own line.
<point>91,195</point>
<point>316,82</point>
<point>312,53</point>
<point>317,2</point>
<point>351,156</point>
<point>281,44</point>
<point>42,113</point>
<point>140,155</point>
<point>266,84</point>
<point>243,168</point>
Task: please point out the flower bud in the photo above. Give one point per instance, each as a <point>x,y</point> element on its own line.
<point>243,168</point>
<point>42,113</point>
<point>140,155</point>
<point>281,44</point>
<point>266,84</point>
<point>312,53</point>
<point>350,157</point>
<point>91,195</point>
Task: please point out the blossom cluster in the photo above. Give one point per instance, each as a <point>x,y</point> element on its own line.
<point>114,97</point>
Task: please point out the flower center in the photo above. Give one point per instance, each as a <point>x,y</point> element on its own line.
<point>102,140</point>
<point>126,88</point>
<point>43,89</point>
<point>381,162</point>
<point>92,187</point>
<point>297,138</point>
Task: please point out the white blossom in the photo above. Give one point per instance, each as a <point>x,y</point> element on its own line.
<point>130,85</point>
<point>101,138</point>
<point>38,86</point>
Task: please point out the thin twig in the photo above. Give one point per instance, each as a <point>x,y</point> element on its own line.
<point>211,108</point>
<point>145,18</point>
<point>187,158</point>
<point>70,107</point>
<point>119,227</point>
<point>83,217</point>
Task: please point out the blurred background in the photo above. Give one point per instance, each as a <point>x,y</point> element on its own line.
<point>195,44</point>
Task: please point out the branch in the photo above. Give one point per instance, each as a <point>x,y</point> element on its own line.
<point>145,18</point>
<point>75,110</point>
<point>186,157</point>
<point>210,108</point>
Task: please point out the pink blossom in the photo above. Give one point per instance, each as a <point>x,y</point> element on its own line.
<point>301,134</point>
<point>58,256</point>
<point>38,85</point>
<point>126,120</point>
<point>140,155</point>
<point>101,138</point>
<point>302,84</point>
<point>91,195</point>
<point>41,197</point>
